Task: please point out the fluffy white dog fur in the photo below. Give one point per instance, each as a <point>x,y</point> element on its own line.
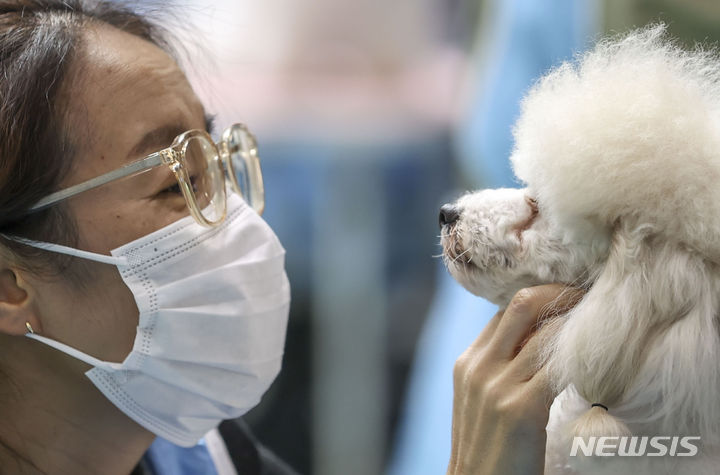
<point>620,152</point>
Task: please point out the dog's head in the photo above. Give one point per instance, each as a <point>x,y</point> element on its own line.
<point>496,242</point>
<point>620,154</point>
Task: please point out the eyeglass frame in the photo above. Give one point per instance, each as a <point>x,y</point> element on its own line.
<point>171,157</point>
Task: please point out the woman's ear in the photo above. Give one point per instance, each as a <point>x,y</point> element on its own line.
<point>17,312</point>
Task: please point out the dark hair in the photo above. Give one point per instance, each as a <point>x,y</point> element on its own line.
<point>39,40</point>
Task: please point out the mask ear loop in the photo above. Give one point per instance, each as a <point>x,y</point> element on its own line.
<point>77,354</point>
<point>70,251</point>
<point>68,350</point>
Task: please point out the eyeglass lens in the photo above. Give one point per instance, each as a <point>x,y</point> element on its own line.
<point>206,177</point>
<point>244,166</point>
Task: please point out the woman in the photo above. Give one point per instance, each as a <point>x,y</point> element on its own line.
<point>86,90</point>
<point>139,295</point>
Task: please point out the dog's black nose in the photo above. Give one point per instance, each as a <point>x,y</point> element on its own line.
<point>448,215</point>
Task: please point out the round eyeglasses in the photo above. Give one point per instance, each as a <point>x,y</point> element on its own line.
<point>197,163</point>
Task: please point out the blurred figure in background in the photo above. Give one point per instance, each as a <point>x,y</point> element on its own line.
<point>351,103</point>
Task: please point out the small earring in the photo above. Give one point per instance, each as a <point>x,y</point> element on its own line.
<point>29,327</point>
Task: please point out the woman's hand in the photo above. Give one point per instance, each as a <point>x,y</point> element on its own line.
<point>502,400</point>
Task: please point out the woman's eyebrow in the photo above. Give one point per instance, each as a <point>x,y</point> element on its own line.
<point>156,139</point>
<point>210,123</point>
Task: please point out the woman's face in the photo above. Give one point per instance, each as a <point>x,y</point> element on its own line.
<point>127,98</point>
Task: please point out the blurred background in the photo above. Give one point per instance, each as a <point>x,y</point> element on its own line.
<point>369,116</point>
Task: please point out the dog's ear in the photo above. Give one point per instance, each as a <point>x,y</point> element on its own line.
<point>643,342</point>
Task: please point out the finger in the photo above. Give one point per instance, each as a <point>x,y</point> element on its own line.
<point>528,308</point>
<point>521,316</point>
<point>524,366</point>
<point>568,298</point>
<point>492,325</point>
<point>541,387</point>
<point>486,334</point>
<point>461,397</point>
<point>533,354</point>
<point>455,435</point>
<point>527,361</point>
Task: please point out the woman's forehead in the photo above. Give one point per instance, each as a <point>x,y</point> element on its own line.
<point>116,63</point>
<point>124,86</point>
<point>109,46</point>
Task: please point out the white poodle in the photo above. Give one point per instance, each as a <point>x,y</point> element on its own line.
<point>620,152</point>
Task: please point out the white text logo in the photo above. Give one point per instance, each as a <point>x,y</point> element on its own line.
<point>626,446</point>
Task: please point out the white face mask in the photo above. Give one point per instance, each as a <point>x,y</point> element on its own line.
<point>213,313</point>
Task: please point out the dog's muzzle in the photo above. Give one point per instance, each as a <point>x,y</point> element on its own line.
<point>449,214</point>
<point>452,248</point>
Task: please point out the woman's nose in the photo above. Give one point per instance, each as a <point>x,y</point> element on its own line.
<point>448,214</point>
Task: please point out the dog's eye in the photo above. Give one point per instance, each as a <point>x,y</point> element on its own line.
<point>526,224</point>
<point>532,202</point>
